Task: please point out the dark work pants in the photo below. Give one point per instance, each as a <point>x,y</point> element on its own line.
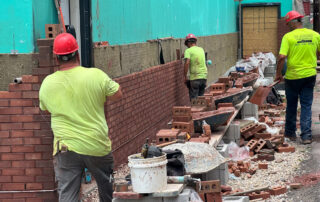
<point>299,89</point>
<point>69,167</point>
<point>197,88</point>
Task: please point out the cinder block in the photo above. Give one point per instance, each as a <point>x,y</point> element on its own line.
<point>220,173</point>
<point>235,199</point>
<point>223,150</point>
<point>249,110</point>
<point>232,134</point>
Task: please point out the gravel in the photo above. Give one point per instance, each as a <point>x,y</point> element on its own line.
<point>280,172</point>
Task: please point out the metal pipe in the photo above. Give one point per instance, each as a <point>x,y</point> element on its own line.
<point>17,80</point>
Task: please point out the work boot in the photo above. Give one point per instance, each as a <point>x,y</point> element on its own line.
<point>291,138</point>
<point>307,141</point>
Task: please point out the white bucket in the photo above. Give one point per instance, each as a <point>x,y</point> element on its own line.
<point>148,175</point>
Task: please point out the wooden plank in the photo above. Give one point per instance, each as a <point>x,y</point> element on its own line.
<point>217,136</point>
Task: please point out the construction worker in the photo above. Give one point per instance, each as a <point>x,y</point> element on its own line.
<point>195,63</point>
<point>300,47</point>
<point>75,97</point>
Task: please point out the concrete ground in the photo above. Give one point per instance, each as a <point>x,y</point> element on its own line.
<point>310,169</point>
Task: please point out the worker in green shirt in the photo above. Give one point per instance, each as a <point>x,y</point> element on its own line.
<point>195,63</point>
<point>75,97</point>
<point>300,47</point>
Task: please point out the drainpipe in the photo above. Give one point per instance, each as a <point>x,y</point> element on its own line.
<point>240,30</point>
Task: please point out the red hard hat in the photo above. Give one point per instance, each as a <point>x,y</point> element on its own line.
<point>64,44</point>
<point>191,36</point>
<point>293,15</point>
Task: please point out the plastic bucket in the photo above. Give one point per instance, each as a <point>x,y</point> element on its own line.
<point>148,175</point>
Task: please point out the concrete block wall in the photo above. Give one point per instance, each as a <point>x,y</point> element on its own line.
<point>121,60</point>
<point>26,167</point>
<point>146,107</point>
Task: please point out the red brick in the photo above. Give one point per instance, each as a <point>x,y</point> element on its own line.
<point>11,141</point>
<point>23,178</point>
<point>21,103</point>
<point>5,196</point>
<point>5,149</point>
<point>10,126</point>
<point>5,119</point>
<point>36,87</point>
<point>23,164</point>
<point>262,165</point>
<point>214,197</point>
<point>46,140</point>
<point>31,110</point>
<point>34,140</point>
<point>30,94</point>
<point>24,148</point>
<point>44,164</point>
<point>22,133</point>
<point>43,148</point>
<point>4,134</point>
<point>47,155</point>
<point>12,156</point>
<point>12,171</point>
<point>34,186</point>
<point>49,185</point>
<point>225,105</point>
<point>22,118</point>
<point>30,79</point>
<point>48,171</point>
<point>35,200</point>
<point>10,110</point>
<point>44,179</point>
<point>261,195</point>
<point>24,195</point>
<point>286,149</point>
<point>33,156</point>
<point>5,179</point>
<point>19,87</point>
<point>4,103</point>
<point>13,186</point>
<point>278,190</point>
<point>33,171</point>
<point>6,94</point>
<point>31,126</point>
<point>5,164</point>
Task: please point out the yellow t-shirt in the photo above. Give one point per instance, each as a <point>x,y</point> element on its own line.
<point>198,67</point>
<point>75,98</point>
<point>300,46</point>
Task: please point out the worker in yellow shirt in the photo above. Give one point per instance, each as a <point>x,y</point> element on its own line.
<point>300,47</point>
<point>195,63</point>
<point>75,97</point>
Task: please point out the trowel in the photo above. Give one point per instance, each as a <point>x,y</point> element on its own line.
<point>261,94</point>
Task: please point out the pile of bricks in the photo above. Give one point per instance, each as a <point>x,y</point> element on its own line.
<point>241,167</point>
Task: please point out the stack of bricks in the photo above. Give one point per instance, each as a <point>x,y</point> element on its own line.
<point>202,103</point>
<point>241,167</point>
<point>146,107</point>
<point>26,138</point>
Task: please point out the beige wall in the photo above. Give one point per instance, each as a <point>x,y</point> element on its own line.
<point>122,60</point>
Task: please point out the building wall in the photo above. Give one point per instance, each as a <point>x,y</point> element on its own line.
<point>286,5</point>
<point>124,22</point>
<point>23,23</point>
<point>121,60</point>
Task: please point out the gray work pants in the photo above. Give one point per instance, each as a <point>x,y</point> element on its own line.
<point>69,167</point>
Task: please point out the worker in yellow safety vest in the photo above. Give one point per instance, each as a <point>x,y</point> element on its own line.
<point>75,97</point>
<point>195,63</point>
<point>300,47</point>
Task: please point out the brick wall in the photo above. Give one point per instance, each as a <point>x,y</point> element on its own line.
<point>146,107</point>
<point>26,137</point>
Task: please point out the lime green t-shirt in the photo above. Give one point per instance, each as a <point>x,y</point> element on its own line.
<point>300,46</point>
<point>75,98</point>
<point>198,67</point>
